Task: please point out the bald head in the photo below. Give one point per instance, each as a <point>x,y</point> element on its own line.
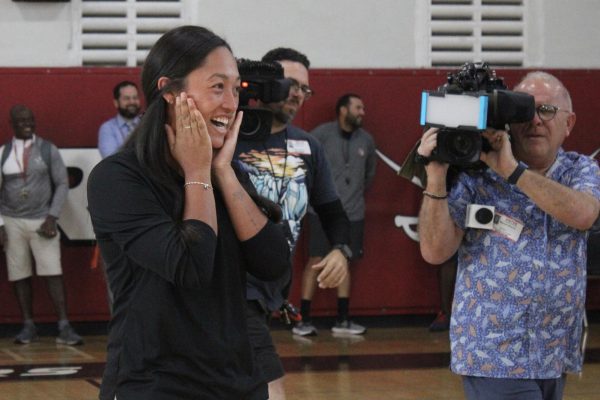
<point>550,83</point>
<point>18,109</point>
<point>538,141</point>
<point>22,121</point>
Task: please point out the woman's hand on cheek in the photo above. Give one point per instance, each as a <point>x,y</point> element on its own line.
<point>224,155</point>
<point>190,143</point>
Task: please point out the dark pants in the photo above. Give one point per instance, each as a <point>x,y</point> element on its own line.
<point>479,388</point>
<point>261,341</point>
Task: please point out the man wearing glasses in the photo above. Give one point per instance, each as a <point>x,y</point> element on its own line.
<point>520,289</point>
<point>290,168</point>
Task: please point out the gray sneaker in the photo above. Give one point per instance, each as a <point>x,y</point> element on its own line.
<point>349,328</point>
<point>27,335</point>
<point>68,336</point>
<point>304,329</point>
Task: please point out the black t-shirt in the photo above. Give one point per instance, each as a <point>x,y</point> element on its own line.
<point>289,168</point>
<point>178,330</point>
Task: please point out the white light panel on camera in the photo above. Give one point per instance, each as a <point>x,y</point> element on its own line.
<point>441,109</point>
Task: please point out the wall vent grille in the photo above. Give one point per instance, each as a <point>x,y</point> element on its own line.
<point>477,30</point>
<point>121,32</point>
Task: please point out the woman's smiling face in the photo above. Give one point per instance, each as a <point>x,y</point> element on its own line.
<point>215,87</point>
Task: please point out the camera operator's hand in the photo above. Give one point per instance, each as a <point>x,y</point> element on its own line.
<point>500,158</point>
<point>436,171</point>
<point>428,142</point>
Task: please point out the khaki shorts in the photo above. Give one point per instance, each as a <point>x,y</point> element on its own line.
<point>23,240</point>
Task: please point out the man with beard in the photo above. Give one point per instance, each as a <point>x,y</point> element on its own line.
<point>33,189</point>
<point>350,151</point>
<point>114,132</point>
<point>290,168</point>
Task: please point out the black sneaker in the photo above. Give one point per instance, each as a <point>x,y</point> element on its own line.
<point>27,335</point>
<point>441,323</point>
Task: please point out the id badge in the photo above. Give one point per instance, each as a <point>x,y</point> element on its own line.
<point>298,146</point>
<point>507,226</point>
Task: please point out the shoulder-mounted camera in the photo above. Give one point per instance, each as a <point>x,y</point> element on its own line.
<point>262,81</point>
<point>473,99</point>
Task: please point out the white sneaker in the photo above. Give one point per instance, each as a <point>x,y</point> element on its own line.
<point>347,338</point>
<point>348,327</point>
<point>304,329</point>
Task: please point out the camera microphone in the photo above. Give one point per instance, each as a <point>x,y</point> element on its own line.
<point>480,216</point>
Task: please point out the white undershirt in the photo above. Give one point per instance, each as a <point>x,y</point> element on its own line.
<point>11,166</point>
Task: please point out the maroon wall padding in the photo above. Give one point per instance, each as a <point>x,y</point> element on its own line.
<point>392,278</point>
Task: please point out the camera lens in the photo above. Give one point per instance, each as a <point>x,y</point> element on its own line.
<point>484,215</point>
<point>250,124</point>
<point>462,144</point>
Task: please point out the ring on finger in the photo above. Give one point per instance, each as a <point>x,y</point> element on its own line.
<point>188,127</point>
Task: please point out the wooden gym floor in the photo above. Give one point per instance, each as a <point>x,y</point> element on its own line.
<point>392,361</point>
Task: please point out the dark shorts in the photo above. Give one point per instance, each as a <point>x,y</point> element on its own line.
<point>262,343</point>
<point>318,244</point>
<point>479,388</point>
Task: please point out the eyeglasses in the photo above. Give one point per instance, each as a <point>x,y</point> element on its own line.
<point>547,112</point>
<point>305,89</point>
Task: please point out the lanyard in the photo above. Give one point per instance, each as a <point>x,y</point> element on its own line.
<point>26,154</point>
<point>24,193</point>
<point>280,189</point>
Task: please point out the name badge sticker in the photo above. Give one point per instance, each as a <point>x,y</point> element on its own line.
<point>507,226</point>
<point>298,146</point>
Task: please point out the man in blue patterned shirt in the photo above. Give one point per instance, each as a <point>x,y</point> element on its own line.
<point>520,293</point>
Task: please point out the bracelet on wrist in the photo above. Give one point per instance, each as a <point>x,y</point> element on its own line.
<point>206,186</point>
<point>435,196</point>
<point>514,177</point>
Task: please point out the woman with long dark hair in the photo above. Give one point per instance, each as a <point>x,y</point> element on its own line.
<point>178,229</point>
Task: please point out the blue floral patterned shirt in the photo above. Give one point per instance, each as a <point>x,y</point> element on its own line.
<point>518,304</point>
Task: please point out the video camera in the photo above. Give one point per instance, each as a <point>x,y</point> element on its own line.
<point>260,81</point>
<point>472,100</point>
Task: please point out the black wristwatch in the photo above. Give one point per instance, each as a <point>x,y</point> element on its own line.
<point>345,249</point>
<point>419,159</point>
